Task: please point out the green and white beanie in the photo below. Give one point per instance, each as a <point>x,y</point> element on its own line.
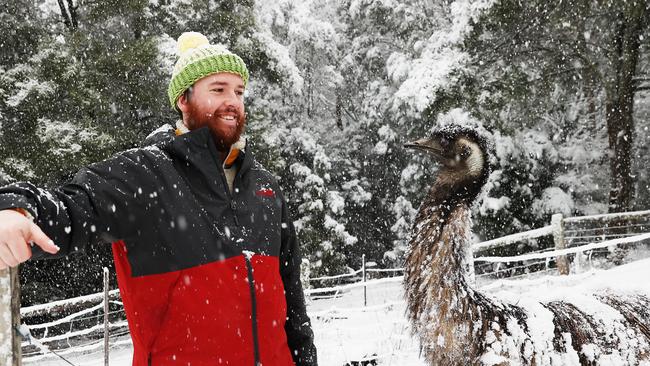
<point>198,59</point>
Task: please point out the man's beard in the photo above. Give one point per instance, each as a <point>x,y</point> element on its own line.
<point>222,139</point>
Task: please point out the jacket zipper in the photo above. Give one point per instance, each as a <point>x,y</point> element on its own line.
<point>249,268</point>
<point>230,198</point>
<point>251,285</point>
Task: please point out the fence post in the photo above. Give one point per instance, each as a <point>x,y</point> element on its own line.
<point>558,237</point>
<point>10,352</point>
<point>363,274</point>
<point>106,309</point>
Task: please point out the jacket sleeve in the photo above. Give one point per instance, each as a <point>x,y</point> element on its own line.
<point>298,326</point>
<point>97,205</point>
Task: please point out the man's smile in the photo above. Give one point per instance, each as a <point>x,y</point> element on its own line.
<point>229,119</point>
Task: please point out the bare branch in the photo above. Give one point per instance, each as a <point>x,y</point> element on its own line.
<point>73,15</point>
<point>64,14</point>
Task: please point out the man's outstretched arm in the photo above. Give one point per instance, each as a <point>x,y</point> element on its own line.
<point>95,205</point>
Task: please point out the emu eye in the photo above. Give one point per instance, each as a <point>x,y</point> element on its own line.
<point>465,152</point>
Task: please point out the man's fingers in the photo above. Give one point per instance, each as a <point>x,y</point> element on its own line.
<point>6,255</point>
<point>39,238</point>
<point>20,250</point>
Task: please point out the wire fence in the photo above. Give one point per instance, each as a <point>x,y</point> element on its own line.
<point>80,324</point>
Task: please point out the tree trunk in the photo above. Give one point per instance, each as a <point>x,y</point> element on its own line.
<point>620,103</point>
<point>339,110</point>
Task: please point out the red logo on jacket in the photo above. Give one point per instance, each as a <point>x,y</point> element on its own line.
<point>265,192</point>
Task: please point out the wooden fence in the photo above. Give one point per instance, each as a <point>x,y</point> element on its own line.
<point>607,235</point>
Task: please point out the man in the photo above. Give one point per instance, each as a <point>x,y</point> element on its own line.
<point>205,252</point>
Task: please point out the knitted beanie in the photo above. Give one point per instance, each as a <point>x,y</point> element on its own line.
<point>198,59</point>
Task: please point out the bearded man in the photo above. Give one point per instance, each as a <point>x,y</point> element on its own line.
<point>205,252</point>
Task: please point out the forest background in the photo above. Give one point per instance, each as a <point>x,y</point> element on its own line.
<point>337,87</point>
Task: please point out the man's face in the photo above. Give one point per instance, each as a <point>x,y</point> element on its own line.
<point>216,101</point>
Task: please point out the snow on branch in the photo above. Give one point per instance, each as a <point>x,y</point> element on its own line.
<point>441,56</point>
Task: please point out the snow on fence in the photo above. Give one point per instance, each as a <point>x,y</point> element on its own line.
<point>93,321</point>
<point>566,244</point>
<point>72,325</point>
<point>562,252</point>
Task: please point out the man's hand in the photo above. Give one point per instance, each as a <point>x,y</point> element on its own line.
<point>17,235</point>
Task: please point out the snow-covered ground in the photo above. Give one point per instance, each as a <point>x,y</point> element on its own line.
<point>347,331</point>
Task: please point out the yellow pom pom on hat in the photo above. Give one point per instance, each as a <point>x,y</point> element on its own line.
<point>189,40</point>
<point>198,59</point>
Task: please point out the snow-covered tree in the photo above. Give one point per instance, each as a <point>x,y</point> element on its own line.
<point>569,70</point>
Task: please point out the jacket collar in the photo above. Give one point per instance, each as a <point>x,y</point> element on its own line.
<point>198,144</point>
<point>237,149</point>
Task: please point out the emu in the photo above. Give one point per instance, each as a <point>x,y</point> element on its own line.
<point>458,325</point>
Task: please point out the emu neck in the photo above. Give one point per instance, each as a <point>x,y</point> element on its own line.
<point>436,288</point>
<point>441,238</point>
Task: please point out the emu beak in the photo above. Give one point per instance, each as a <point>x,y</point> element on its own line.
<point>431,146</point>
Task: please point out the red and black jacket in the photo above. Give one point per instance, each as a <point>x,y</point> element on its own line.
<point>207,277</point>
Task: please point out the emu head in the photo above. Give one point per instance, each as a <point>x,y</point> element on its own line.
<point>462,154</point>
